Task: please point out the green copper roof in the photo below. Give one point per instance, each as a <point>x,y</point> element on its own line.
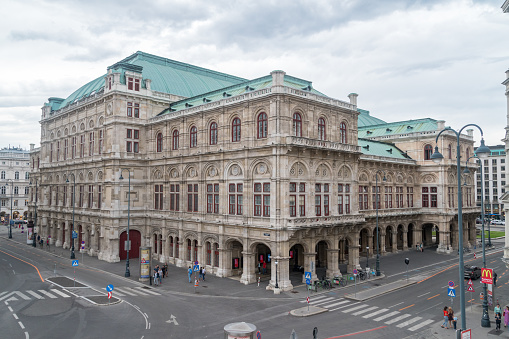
<point>167,76</point>
<point>397,128</point>
<point>367,120</point>
<point>238,89</point>
<point>383,149</point>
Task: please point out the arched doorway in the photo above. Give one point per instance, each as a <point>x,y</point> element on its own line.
<point>427,234</point>
<point>363,242</point>
<point>237,259</point>
<point>263,255</point>
<point>321,254</point>
<point>410,236</point>
<point>135,239</point>
<point>296,257</point>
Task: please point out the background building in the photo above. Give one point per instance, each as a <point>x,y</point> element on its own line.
<point>494,182</point>
<point>14,182</point>
<point>232,172</point>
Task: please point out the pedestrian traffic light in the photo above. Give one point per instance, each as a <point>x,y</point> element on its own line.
<point>407,261</point>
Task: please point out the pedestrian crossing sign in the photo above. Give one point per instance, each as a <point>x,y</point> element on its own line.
<point>75,262</point>
<point>451,292</point>
<point>307,275</point>
<point>470,288</point>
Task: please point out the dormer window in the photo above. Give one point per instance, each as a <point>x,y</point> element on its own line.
<point>133,84</point>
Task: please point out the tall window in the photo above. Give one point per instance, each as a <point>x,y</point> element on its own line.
<point>449,151</point>
<point>174,197</point>
<point>2,175</point>
<point>50,195</point>
<point>297,200</point>
<point>175,138</point>
<point>73,148</point>
<point>342,133</point>
<point>236,130</point>
<point>16,175</point>
<point>66,148</point>
<point>82,146</point>
<point>388,197</point>
<point>101,141</point>
<point>80,198</point>
<point>132,143</point>
<point>363,197</point>
<point>99,195</point>
<point>158,197</point>
<point>235,199</point>
<point>216,254</point>
<point>376,197</point>
<point>399,197</point>
<point>428,150</point>
<point>450,196</point>
<point>159,139</point>
<point>321,195</point>
<point>64,196</point>
<point>58,150</point>
<point>136,110</point>
<point>209,253</point>
<point>133,84</point>
<point>343,198</point>
<point>213,198</point>
<point>193,137</point>
<point>90,196</point>
<point>91,141</point>
<point>409,197</point>
<point>297,125</point>
<point>192,197</point>
<point>321,129</point>
<point>262,199</point>
<point>262,125</point>
<point>51,152</point>
<point>213,134</point>
<point>129,109</point>
<point>429,197</point>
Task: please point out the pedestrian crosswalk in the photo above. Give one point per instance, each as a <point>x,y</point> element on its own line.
<point>54,293</point>
<point>375,313</point>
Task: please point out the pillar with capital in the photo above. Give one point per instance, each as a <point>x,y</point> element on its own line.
<point>310,265</point>
<point>248,271</point>
<point>333,262</point>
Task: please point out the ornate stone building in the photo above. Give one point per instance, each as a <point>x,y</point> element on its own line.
<point>14,182</point>
<point>231,172</point>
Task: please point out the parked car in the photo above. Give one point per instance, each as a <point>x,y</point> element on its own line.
<point>472,272</point>
<point>498,222</point>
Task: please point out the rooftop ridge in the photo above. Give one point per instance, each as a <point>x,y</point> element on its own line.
<point>395,123</point>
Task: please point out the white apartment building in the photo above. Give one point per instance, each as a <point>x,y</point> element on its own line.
<point>14,182</point>
<point>494,182</point>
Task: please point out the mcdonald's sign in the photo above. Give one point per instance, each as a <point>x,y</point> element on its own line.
<point>487,276</point>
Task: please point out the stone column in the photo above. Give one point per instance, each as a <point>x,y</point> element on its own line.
<point>405,239</point>
<point>394,235</point>
<point>248,271</point>
<point>310,266</point>
<point>333,263</point>
<point>57,241</point>
<point>164,250</point>
<point>382,242</point>
<point>222,270</point>
<point>353,257</point>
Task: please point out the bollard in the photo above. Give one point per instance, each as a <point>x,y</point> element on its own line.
<point>258,281</point>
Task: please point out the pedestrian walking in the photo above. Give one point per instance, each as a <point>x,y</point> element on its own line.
<point>446,317</point>
<point>156,278</point>
<point>200,274</point>
<point>41,242</point>
<point>164,270</point>
<point>47,243</point>
<point>498,321</point>
<point>450,316</point>
<point>264,267</point>
<point>422,247</point>
<point>506,316</point>
<point>160,276</point>
<point>203,273</point>
<point>455,321</point>
<point>259,267</point>
<point>189,273</point>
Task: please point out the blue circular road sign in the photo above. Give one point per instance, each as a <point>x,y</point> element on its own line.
<point>355,271</point>
<point>451,283</point>
<point>109,288</point>
<point>258,335</point>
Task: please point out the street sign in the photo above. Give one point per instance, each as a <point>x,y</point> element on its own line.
<point>196,268</point>
<point>109,288</point>
<point>83,245</point>
<point>470,288</point>
<point>467,334</point>
<point>451,292</point>
<point>75,262</point>
<point>308,281</point>
<point>355,271</point>
<point>470,282</point>
<point>307,275</point>
<point>196,262</point>
<point>74,235</point>
<point>487,276</point>
<point>258,335</point>
<point>110,295</point>
<point>451,283</point>
<point>307,300</point>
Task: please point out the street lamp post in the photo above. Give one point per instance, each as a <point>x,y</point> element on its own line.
<point>277,286</point>
<point>10,216</point>
<point>377,238</point>
<point>485,320</point>
<point>437,157</point>
<point>367,257</point>
<point>73,203</point>
<point>127,272</point>
<point>34,244</point>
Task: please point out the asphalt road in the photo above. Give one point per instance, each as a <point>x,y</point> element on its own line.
<point>31,308</point>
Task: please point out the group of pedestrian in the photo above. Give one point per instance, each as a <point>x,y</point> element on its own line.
<point>449,319</point>
<point>419,247</point>
<point>499,314</point>
<point>262,267</point>
<point>160,273</point>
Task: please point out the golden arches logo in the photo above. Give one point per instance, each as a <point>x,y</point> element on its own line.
<point>486,273</point>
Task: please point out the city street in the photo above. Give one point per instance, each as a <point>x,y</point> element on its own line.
<point>37,302</point>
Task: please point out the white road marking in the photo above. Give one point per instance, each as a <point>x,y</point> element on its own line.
<point>125,292</point>
<point>395,320</point>
<point>15,316</point>
<point>46,293</point>
<point>396,304</point>
<point>424,323</point>
<point>386,316</point>
<point>54,290</point>
<point>314,298</point>
<point>147,291</point>
<point>423,294</point>
<point>34,294</point>
<point>26,335</point>
<point>365,310</point>
<point>10,308</point>
<point>21,325</point>
<point>354,308</point>
<point>1,294</point>
<point>375,313</point>
<point>15,292</point>
<point>408,322</point>
<point>321,301</point>
<point>337,308</point>
<point>135,291</point>
<point>338,303</point>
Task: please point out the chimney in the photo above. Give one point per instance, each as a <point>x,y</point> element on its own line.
<point>278,78</point>
<point>441,125</point>
<point>353,98</point>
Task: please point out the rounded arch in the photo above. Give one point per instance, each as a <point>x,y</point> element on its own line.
<point>100,121</point>
<point>190,171</point>
<point>73,129</point>
<point>82,127</point>
<point>157,173</point>
<point>345,173</point>
<point>228,242</point>
<point>91,124</point>
<point>90,176</point>
<point>233,169</point>
<point>260,167</point>
<point>363,176</point>
<point>299,169</point>
<point>172,173</point>
<point>323,170</point>
<point>209,170</point>
<point>66,132</point>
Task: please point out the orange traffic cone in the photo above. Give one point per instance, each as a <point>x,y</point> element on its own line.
<point>195,283</point>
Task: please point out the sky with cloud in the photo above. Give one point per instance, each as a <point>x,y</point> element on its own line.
<point>406,59</point>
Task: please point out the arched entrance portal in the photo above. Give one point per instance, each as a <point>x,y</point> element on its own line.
<point>237,259</point>
<point>388,239</point>
<point>296,258</point>
<point>410,236</point>
<point>399,237</point>
<point>135,239</point>
<point>321,254</point>
<point>262,255</point>
<point>427,234</point>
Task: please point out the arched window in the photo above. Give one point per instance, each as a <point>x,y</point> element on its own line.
<point>159,142</point>
<point>428,150</point>
<point>342,133</point>
<point>216,254</point>
<point>236,130</point>
<point>297,125</point>
<point>321,129</point>
<point>213,134</point>
<point>449,152</point>
<point>188,257</point>
<point>175,139</point>
<point>262,125</point>
<point>193,137</point>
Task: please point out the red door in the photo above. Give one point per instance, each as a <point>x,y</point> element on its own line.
<point>135,239</point>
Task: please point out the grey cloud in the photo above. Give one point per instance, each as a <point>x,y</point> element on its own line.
<point>68,37</point>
